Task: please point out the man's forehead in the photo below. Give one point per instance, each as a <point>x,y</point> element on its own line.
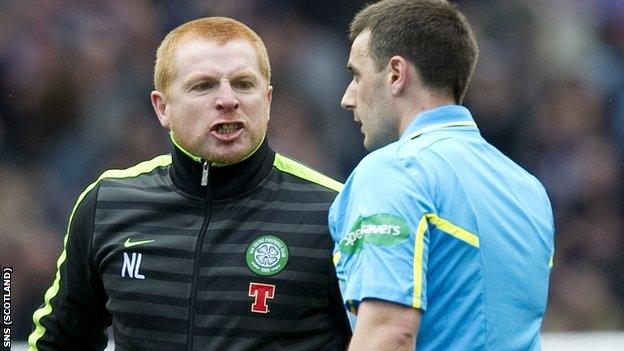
<point>360,47</point>
<point>198,47</point>
<point>233,55</point>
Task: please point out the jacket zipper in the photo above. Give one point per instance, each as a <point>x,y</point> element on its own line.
<point>198,252</point>
<point>204,178</point>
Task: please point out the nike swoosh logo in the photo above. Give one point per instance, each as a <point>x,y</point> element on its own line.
<point>129,243</point>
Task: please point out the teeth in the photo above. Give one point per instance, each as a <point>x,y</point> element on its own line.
<point>227,128</point>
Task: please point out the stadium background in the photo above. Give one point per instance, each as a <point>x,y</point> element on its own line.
<point>75,78</point>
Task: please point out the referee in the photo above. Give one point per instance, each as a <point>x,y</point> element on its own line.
<point>442,242</point>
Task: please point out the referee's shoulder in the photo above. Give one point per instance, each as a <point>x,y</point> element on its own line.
<point>382,159</point>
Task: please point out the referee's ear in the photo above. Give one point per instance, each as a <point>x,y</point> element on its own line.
<point>159,103</point>
<point>398,74</point>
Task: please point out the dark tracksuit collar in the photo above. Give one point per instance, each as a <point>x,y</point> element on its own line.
<point>223,181</point>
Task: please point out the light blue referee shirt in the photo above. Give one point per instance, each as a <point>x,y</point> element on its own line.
<point>442,221</point>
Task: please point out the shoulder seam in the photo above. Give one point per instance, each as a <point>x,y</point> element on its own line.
<point>290,166</point>
<point>136,170</point>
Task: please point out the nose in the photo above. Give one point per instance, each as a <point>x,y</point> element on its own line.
<point>348,100</point>
<point>227,100</point>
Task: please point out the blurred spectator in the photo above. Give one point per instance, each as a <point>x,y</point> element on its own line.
<point>27,244</point>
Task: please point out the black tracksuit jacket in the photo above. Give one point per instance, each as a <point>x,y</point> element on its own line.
<point>243,263</point>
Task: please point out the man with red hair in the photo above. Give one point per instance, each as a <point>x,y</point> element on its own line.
<point>222,245</point>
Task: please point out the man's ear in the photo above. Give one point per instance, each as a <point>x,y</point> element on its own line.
<point>270,98</point>
<point>159,103</point>
<point>270,94</point>
<point>399,74</point>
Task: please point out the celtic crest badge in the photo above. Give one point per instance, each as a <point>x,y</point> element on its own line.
<point>267,255</point>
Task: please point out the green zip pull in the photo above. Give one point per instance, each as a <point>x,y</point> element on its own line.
<point>204,180</point>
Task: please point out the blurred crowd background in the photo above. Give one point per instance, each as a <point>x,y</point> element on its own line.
<point>75,78</point>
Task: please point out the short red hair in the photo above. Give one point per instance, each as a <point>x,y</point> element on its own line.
<point>219,29</point>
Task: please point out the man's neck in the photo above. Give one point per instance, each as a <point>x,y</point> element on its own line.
<point>424,102</point>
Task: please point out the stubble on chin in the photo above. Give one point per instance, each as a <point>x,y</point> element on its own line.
<point>229,154</point>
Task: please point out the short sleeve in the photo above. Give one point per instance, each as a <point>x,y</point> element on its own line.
<point>379,224</point>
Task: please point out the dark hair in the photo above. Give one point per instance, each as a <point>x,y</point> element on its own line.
<point>431,34</point>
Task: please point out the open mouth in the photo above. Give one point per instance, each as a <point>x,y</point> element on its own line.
<point>228,128</point>
<point>227,131</point>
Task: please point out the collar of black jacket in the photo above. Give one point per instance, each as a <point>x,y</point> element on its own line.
<point>223,181</point>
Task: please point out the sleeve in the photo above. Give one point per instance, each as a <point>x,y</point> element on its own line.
<point>379,225</point>
<point>73,315</point>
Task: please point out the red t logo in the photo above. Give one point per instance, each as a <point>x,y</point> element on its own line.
<point>261,292</point>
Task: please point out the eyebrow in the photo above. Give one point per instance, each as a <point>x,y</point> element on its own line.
<point>190,82</point>
<point>245,75</point>
<point>199,77</point>
<point>352,69</point>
